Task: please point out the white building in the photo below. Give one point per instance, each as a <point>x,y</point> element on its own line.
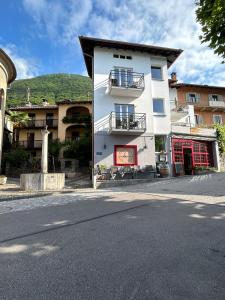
<point>131,106</point>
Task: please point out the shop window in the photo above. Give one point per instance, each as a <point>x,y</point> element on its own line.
<point>125,155</point>
<point>160,143</point>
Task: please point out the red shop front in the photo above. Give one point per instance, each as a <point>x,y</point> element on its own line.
<point>187,154</point>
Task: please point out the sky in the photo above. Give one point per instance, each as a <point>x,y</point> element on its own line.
<point>41,36</point>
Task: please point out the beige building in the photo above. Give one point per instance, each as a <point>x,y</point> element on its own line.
<point>7,75</point>
<point>66,120</point>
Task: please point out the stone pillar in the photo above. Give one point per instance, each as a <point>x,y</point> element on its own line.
<point>44,154</point>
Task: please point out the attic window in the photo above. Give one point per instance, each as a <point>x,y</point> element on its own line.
<point>129,57</point>
<point>115,55</point>
<point>122,56</point>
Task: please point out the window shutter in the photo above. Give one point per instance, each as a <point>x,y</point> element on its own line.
<point>197,97</point>
<point>200,119</point>
<point>220,97</point>
<point>187,97</point>
<point>210,97</point>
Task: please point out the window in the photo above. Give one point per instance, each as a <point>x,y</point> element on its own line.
<point>123,76</point>
<point>192,97</point>
<point>1,98</point>
<point>156,73</point>
<point>160,143</point>
<point>122,56</point>
<point>214,97</point>
<point>125,155</point>
<point>158,106</point>
<point>124,115</point>
<point>217,119</point>
<point>198,119</point>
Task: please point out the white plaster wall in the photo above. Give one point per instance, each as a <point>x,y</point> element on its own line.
<point>104,103</point>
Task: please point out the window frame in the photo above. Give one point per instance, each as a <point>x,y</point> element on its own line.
<point>129,147</point>
<point>157,67</point>
<point>158,113</point>
<point>197,97</point>
<point>221,119</point>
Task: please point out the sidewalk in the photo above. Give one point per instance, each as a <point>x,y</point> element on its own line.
<point>11,190</point>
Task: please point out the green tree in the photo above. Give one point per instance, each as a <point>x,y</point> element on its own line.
<point>220,130</point>
<point>54,149</point>
<point>19,119</point>
<point>211,15</point>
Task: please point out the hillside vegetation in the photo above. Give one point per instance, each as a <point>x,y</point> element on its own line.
<point>51,87</point>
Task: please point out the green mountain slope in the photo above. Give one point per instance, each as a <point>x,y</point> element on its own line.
<point>51,87</point>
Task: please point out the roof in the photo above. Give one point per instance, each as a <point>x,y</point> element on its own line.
<point>88,44</point>
<point>33,107</point>
<point>178,85</point>
<point>9,65</point>
<point>70,101</point>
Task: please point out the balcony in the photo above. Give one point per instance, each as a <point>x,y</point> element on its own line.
<point>51,123</point>
<point>30,145</point>
<point>217,104</point>
<point>127,123</point>
<point>125,83</point>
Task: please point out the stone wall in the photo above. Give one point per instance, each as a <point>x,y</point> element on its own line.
<point>222,163</point>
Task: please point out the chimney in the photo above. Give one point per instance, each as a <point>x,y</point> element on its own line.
<point>44,102</point>
<point>174,76</point>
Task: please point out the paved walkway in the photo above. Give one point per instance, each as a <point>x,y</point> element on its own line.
<point>204,189</point>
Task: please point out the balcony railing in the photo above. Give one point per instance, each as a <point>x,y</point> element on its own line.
<point>217,103</point>
<point>127,122</point>
<point>126,79</point>
<point>36,144</point>
<point>41,123</point>
<point>77,119</point>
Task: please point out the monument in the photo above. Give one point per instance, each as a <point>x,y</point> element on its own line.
<point>43,181</point>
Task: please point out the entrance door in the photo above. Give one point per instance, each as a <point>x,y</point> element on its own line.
<point>30,140</point>
<point>187,153</point>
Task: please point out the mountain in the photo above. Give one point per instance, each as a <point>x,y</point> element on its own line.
<point>51,87</point>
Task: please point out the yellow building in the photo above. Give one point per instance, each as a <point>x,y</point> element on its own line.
<point>65,120</point>
<point>7,75</point>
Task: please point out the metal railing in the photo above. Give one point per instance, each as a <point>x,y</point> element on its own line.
<point>41,123</point>
<point>127,121</point>
<point>126,79</point>
<point>36,144</point>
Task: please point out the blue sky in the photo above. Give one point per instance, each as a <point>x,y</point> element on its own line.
<point>41,35</point>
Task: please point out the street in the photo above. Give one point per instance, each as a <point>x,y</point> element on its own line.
<point>159,240</point>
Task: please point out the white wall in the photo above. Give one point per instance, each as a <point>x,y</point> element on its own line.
<point>104,103</point>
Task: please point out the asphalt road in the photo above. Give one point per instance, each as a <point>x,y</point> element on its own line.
<point>135,244</point>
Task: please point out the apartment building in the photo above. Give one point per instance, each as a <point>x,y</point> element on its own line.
<point>131,107</point>
<point>193,145</point>
<point>7,75</point>
<point>208,101</point>
<point>65,120</point>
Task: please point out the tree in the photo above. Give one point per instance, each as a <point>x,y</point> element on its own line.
<point>19,119</point>
<point>220,130</point>
<point>211,15</point>
<point>54,149</point>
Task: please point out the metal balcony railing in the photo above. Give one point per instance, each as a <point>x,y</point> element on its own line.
<point>36,144</point>
<point>41,123</point>
<point>126,79</point>
<point>127,121</point>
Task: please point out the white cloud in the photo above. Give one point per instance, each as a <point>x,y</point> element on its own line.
<point>169,24</point>
<point>25,67</point>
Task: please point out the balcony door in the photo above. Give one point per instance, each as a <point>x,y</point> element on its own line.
<point>123,76</point>
<point>124,115</point>
<point>32,120</point>
<point>49,119</point>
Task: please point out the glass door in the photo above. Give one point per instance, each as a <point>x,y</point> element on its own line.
<point>123,76</point>
<point>124,115</point>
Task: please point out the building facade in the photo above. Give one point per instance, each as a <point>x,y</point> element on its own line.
<point>65,120</point>
<point>7,75</point>
<point>131,108</point>
<point>208,101</point>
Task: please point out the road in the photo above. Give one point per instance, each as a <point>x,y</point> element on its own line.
<point>161,240</point>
